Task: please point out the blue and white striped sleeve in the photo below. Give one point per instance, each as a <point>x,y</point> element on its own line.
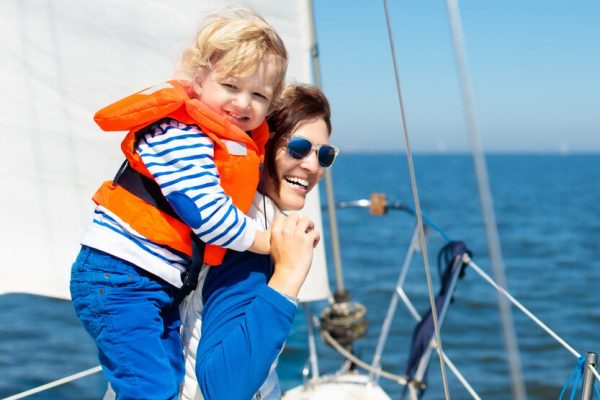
<point>181,159</point>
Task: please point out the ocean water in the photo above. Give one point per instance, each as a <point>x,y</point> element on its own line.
<point>548,213</point>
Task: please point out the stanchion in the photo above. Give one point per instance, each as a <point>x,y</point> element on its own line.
<point>587,390</point>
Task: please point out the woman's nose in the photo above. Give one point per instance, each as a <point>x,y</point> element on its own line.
<point>311,162</point>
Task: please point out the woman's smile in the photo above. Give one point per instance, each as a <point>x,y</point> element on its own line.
<point>298,177</point>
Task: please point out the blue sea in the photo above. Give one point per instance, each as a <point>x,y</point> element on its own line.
<point>548,213</point>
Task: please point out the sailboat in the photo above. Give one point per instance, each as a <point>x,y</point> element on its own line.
<point>67,59</point>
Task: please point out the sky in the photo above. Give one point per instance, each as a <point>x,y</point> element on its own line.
<point>534,70</point>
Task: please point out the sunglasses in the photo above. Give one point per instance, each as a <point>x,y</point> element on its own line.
<point>299,148</point>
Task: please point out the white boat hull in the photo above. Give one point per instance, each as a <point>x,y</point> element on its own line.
<point>338,387</point>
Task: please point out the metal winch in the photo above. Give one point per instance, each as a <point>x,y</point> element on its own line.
<point>344,320</point>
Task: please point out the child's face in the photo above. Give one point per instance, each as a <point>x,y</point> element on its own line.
<point>242,100</point>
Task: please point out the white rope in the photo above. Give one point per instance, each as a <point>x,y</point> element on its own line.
<point>417,205</point>
<point>400,379</point>
<point>58,382</point>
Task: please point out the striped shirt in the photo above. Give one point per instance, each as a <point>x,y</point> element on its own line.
<point>180,158</point>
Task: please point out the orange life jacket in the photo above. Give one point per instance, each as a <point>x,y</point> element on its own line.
<point>239,173</point>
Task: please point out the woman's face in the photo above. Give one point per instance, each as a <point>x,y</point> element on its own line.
<point>298,177</point>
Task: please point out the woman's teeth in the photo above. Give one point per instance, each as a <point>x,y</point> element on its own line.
<point>297,181</point>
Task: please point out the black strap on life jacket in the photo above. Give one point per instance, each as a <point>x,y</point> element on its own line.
<point>149,191</point>
<point>190,278</point>
<point>144,188</point>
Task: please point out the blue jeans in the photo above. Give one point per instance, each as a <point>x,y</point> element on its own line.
<point>120,306</point>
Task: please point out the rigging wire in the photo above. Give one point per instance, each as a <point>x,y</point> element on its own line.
<point>399,379</point>
<point>415,193</point>
<point>529,314</point>
<point>395,205</point>
<point>487,209</point>
<point>55,383</point>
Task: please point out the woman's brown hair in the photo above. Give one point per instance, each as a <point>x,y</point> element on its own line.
<point>297,105</point>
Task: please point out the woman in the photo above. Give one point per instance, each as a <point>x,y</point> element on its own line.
<point>243,310</point>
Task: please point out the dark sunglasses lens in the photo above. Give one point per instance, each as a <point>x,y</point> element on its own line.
<point>326,156</point>
<point>298,147</point>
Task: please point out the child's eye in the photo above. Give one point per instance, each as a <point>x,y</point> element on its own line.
<point>260,95</point>
<point>229,86</point>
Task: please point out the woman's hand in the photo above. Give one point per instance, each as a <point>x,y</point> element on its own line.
<point>292,242</point>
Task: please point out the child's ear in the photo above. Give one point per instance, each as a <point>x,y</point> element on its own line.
<point>198,80</point>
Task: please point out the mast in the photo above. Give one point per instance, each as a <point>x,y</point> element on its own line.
<point>487,208</point>
<point>335,243</point>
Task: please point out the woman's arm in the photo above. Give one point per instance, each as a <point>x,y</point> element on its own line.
<point>245,321</point>
<point>244,326</point>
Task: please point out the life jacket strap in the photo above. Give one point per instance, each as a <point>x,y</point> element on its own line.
<point>149,191</point>
<point>190,277</point>
<point>144,188</point>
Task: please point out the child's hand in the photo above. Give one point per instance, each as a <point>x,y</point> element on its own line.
<point>292,242</point>
<point>262,242</point>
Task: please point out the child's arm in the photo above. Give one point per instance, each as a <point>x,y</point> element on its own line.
<point>262,242</point>
<point>181,159</point>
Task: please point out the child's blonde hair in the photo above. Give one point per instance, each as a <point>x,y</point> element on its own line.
<point>237,38</point>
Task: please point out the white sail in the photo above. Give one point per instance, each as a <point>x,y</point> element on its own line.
<point>62,61</point>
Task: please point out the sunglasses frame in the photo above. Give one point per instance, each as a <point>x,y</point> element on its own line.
<point>314,147</point>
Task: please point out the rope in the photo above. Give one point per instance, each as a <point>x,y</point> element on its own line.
<point>487,209</point>
<point>415,193</point>
<point>400,379</point>
<point>451,365</point>
<point>575,377</point>
<point>55,383</point>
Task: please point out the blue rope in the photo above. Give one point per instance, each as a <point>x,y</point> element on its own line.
<point>413,212</point>
<point>575,375</point>
<point>576,378</point>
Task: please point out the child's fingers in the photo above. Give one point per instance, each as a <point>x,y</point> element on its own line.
<point>316,237</point>
<point>278,224</point>
<point>305,224</point>
<point>295,229</point>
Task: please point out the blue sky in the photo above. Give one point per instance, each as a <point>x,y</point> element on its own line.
<point>534,69</point>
